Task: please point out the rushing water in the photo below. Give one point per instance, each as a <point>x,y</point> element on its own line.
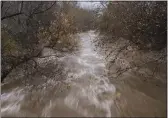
<point>77,84</point>
<point>88,91</point>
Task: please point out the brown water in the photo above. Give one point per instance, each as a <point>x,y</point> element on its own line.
<point>84,91</point>
<point>73,85</point>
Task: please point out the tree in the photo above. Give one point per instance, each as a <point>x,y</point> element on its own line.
<point>28,27</point>
<point>143,23</point>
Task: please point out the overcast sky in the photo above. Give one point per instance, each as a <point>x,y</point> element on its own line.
<point>89,4</point>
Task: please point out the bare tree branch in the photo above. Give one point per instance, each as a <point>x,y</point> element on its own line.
<point>45,9</point>
<point>2,3</point>
<point>21,7</point>
<point>12,15</point>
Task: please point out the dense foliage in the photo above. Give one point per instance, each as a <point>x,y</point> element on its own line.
<point>143,23</point>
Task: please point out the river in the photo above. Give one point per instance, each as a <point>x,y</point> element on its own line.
<point>82,88</point>
<point>89,90</point>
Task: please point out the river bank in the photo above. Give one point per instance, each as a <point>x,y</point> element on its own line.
<point>86,83</point>
<point>66,84</point>
<point>140,78</point>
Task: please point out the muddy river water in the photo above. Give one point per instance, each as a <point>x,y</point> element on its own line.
<point>84,90</point>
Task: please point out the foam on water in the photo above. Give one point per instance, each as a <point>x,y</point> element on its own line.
<point>10,102</point>
<point>90,93</point>
<point>89,86</point>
